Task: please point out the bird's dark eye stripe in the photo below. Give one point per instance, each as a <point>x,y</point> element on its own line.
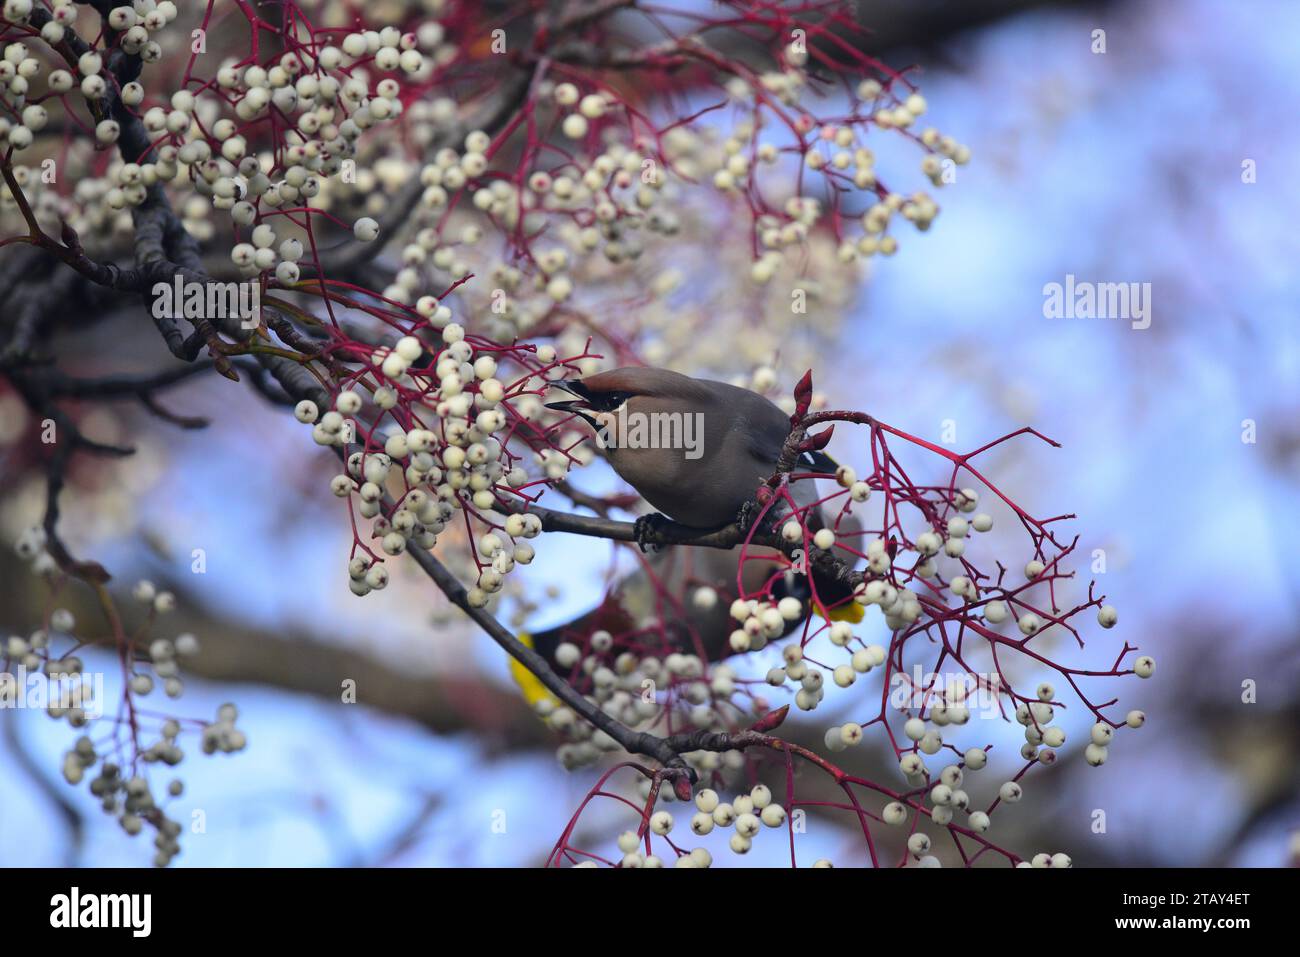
<point>609,401</point>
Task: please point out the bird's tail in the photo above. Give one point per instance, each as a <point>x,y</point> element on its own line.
<point>533,690</point>
<point>833,601</point>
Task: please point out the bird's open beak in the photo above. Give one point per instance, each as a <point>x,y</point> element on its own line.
<point>574,388</point>
<point>571,406</point>
<point>571,386</point>
<point>578,406</point>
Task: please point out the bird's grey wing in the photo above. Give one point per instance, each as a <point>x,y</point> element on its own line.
<point>768,427</point>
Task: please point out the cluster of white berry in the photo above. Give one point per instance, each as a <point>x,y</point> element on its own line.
<point>1036,717</point>
<point>163,652</point>
<point>747,814</point>
<point>427,475</point>
<point>222,735</point>
<point>587,219</point>
<point>811,680</point>
<point>71,696</point>
<point>613,193</point>
<point>130,800</point>
<point>1044,859</point>
<point>328,96</point>
<point>318,98</point>
<point>618,685</point>
<point>70,692</point>
<point>839,153</point>
<point>139,24</point>
<point>641,690</point>
<point>629,842</point>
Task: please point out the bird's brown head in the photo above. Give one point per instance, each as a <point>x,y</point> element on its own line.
<point>617,402</point>
<point>598,407</point>
<point>598,396</point>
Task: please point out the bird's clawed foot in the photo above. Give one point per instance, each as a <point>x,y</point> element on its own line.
<point>648,527</point>
<point>748,515</point>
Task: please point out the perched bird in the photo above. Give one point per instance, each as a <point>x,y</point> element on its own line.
<point>695,449</point>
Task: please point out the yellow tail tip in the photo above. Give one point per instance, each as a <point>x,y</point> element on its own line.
<point>532,689</point>
<point>851,612</point>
